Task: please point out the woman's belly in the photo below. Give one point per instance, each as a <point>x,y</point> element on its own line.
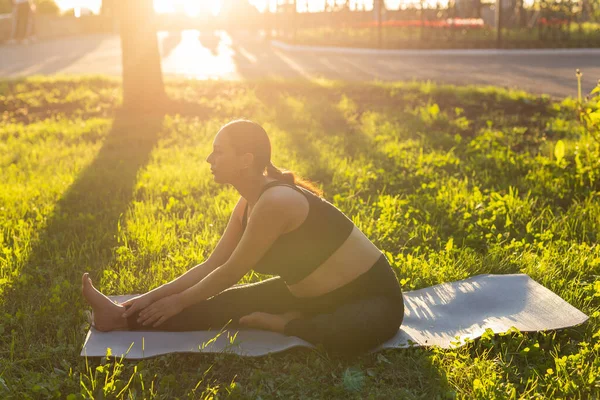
<point>352,259</point>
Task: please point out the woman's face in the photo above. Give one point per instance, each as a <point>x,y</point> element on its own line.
<point>225,164</point>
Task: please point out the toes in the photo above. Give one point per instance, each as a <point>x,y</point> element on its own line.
<point>245,320</point>
<point>249,319</point>
<point>86,280</point>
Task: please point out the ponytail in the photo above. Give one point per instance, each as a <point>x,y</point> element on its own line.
<point>291,178</point>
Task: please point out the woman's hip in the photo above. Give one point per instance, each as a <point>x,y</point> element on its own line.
<point>379,280</point>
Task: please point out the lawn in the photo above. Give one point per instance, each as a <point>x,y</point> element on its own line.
<point>449,181</point>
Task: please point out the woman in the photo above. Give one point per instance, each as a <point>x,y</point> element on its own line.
<point>334,287</point>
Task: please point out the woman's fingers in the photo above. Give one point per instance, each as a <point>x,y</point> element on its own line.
<point>147,309</point>
<point>132,300</point>
<point>144,316</point>
<point>152,318</point>
<point>160,321</point>
<point>130,310</point>
<point>156,313</point>
<point>151,309</point>
<point>133,305</point>
<point>149,314</point>
<point>127,302</point>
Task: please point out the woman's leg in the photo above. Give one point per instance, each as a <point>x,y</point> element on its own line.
<point>354,327</point>
<point>226,308</point>
<point>107,316</point>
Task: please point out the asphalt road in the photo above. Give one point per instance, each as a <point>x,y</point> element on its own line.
<point>223,55</point>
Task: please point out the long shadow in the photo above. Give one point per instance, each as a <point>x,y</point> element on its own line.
<point>255,58</point>
<point>48,57</point>
<point>494,70</point>
<point>320,119</point>
<point>303,121</point>
<point>297,133</point>
<point>80,235</point>
<point>325,117</point>
<point>62,99</point>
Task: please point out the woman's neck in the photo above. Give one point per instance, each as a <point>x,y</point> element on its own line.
<point>250,189</point>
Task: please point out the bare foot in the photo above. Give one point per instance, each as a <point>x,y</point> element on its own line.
<point>269,322</point>
<point>108,316</point>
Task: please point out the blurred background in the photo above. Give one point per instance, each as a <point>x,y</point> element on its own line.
<point>348,23</point>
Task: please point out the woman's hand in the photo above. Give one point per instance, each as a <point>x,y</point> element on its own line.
<point>137,303</point>
<point>161,310</point>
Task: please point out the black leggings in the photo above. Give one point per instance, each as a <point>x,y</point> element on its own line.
<point>351,319</point>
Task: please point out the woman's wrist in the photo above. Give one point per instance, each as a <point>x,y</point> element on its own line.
<point>185,298</point>
<point>160,292</point>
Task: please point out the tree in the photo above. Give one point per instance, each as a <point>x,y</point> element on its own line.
<point>143,87</point>
<point>5,7</point>
<point>48,7</point>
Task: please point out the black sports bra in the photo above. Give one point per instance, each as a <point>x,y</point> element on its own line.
<point>294,255</point>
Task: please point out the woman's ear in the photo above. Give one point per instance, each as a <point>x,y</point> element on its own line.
<point>247,160</point>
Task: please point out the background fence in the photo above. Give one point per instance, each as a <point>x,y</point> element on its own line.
<point>417,24</point>
<point>459,23</point>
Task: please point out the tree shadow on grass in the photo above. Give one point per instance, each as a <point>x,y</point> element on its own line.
<point>45,299</point>
<point>306,123</point>
<point>319,122</point>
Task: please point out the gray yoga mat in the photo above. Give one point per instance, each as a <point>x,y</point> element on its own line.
<point>443,315</point>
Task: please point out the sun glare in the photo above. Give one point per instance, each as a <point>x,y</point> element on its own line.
<point>192,8</point>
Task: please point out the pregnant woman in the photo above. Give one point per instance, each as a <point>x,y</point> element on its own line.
<point>332,286</point>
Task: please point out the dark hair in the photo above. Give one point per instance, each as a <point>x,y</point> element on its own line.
<point>249,137</point>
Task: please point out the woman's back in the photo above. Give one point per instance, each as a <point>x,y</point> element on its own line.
<point>297,254</point>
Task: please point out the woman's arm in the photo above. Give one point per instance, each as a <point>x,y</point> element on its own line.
<point>183,282</point>
<point>228,242</point>
<point>271,216</point>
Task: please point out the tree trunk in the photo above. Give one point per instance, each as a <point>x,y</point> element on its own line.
<point>143,88</point>
<point>379,21</point>
<point>499,23</point>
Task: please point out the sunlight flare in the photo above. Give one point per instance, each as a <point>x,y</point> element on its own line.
<point>201,56</point>
<point>191,8</point>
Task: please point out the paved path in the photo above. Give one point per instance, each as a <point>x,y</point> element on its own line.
<point>239,56</point>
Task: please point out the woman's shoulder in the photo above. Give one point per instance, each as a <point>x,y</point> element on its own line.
<point>283,192</point>
<point>276,192</point>
<point>286,203</point>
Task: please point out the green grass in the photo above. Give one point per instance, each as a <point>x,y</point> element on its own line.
<point>450,182</point>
